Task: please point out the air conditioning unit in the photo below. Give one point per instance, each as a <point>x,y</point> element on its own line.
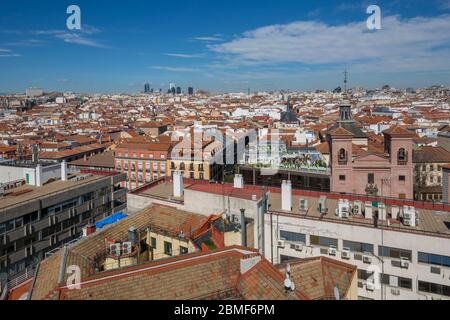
<point>280,243</point>
<point>115,249</point>
<point>345,254</point>
<point>344,213</point>
<point>127,248</point>
<point>407,215</point>
<point>407,222</point>
<point>298,247</point>
<point>367,259</point>
<point>404,263</point>
<point>303,204</point>
<point>332,251</point>
<point>395,292</point>
<point>370,286</point>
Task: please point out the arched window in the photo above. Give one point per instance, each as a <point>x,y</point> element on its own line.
<point>342,156</point>
<point>182,166</point>
<point>172,165</point>
<point>401,156</point>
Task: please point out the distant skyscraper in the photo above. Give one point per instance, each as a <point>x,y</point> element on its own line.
<point>178,90</point>
<point>147,88</point>
<point>172,90</point>
<point>190,91</point>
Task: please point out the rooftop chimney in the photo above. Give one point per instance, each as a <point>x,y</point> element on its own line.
<point>238,181</point>
<point>35,155</point>
<point>64,170</point>
<point>38,175</point>
<point>243,229</point>
<point>89,229</point>
<point>178,189</point>
<point>133,235</point>
<point>286,195</point>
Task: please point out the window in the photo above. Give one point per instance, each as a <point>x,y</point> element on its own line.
<point>401,156</point>
<point>183,250</point>
<point>358,246</point>
<point>394,253</point>
<point>182,166</point>
<point>395,281</point>
<point>401,178</point>
<point>323,241</point>
<point>201,176</point>
<point>342,177</point>
<point>435,259</point>
<point>167,248</point>
<point>293,236</point>
<point>364,275</point>
<point>431,167</point>
<point>191,175</point>
<point>370,178</point>
<point>342,156</point>
<point>153,242</point>
<point>434,288</point>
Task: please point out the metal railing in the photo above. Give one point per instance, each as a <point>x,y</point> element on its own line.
<point>68,243</point>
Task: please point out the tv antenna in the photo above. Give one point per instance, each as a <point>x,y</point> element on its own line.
<point>345,80</point>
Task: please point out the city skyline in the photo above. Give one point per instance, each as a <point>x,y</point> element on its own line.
<point>212,46</point>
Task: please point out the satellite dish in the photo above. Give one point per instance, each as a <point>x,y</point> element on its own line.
<point>292,286</point>
<point>337,295</point>
<point>288,268</point>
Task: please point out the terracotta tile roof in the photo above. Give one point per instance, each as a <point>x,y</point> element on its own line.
<point>105,160</point>
<point>339,131</point>
<point>164,219</point>
<point>431,155</point>
<point>214,275</point>
<point>318,276</point>
<point>398,131</point>
<point>323,148</point>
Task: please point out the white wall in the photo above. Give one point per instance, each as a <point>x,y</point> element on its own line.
<point>376,237</point>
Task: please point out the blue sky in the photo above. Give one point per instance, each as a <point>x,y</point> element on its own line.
<point>222,45</point>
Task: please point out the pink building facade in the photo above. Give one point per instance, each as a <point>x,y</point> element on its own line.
<point>388,174</point>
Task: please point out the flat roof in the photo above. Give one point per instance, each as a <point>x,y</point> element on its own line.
<point>164,190</point>
<point>25,193</point>
<point>430,221</point>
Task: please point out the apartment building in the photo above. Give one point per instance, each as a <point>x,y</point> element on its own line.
<point>199,160</point>
<point>428,163</point>
<point>37,218</point>
<point>143,161</point>
<point>401,249</point>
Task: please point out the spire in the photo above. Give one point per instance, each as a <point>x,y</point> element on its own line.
<point>345,113</point>
<point>345,81</point>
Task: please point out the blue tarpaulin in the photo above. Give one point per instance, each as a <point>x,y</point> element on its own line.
<point>110,220</point>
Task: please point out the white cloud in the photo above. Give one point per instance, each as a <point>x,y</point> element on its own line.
<point>183,55</point>
<point>11,55</point>
<point>175,69</point>
<point>76,38</point>
<point>416,43</point>
<point>209,38</point>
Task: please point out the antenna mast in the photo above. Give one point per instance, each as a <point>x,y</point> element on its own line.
<point>345,80</point>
